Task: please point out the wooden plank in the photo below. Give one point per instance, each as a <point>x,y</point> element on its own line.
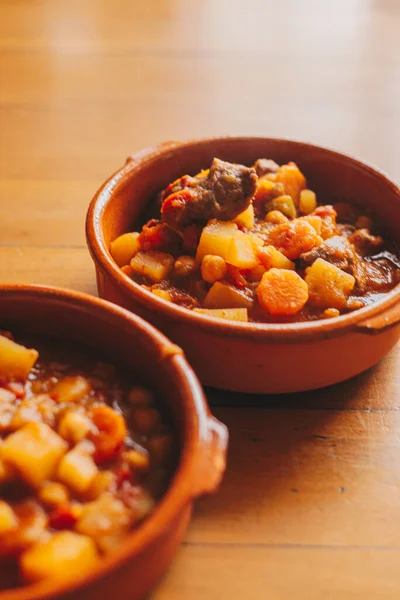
<point>68,124</point>
<point>219,572</point>
<point>42,213</point>
<point>306,477</point>
<point>65,267</point>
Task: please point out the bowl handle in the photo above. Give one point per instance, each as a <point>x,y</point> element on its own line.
<point>212,458</point>
<point>387,319</point>
<point>145,153</point>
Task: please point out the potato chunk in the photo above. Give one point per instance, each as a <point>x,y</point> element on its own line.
<point>77,470</point>
<point>230,314</point>
<point>15,360</point>
<point>271,258</point>
<point>8,518</point>
<point>153,264</point>
<point>216,239</point>
<point>107,531</point>
<point>71,389</point>
<point>31,525</point>
<point>124,248</point>
<point>293,180</point>
<point>35,451</point>
<point>246,218</point>
<point>308,201</point>
<point>65,554</point>
<point>328,286</point>
<point>242,251</point>
<point>222,295</point>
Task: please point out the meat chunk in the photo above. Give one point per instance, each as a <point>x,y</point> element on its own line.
<point>263,166</point>
<point>364,242</point>
<point>336,250</point>
<point>221,193</point>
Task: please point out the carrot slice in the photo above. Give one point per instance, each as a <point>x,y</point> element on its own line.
<point>282,292</point>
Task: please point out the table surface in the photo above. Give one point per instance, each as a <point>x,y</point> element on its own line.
<point>310,505</point>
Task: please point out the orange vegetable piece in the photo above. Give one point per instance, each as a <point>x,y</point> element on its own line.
<point>110,434</point>
<point>292,179</point>
<point>294,238</point>
<point>282,292</point>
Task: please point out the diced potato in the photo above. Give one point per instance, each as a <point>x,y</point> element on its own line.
<point>294,238</point>
<point>216,239</point>
<point>256,273</point>
<point>77,470</point>
<point>275,217</point>
<point>65,555</point>
<point>246,218</point>
<point>115,522</point>
<point>284,204</point>
<point>230,314</point>
<point>71,389</point>
<point>242,251</point>
<point>153,264</point>
<point>315,222</point>
<point>271,258</point>
<point>163,294</point>
<point>31,525</point>
<point>35,451</point>
<point>124,248</point>
<point>127,270</point>
<point>282,292</point>
<point>139,461</point>
<point>265,190</point>
<point>293,180</point>
<point>222,295</point>
<point>74,426</point>
<point>213,268</point>
<point>26,412</point>
<point>330,313</point>
<point>307,202</point>
<point>16,361</point>
<point>53,494</point>
<point>101,483</point>
<point>8,518</point>
<point>7,472</point>
<point>328,286</point>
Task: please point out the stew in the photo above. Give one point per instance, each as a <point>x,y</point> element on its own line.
<point>84,457</point>
<point>254,244</point>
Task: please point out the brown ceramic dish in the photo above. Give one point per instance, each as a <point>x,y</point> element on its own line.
<point>251,357</point>
<point>132,570</point>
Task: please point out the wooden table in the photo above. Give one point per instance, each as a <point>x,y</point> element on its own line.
<point>310,505</point>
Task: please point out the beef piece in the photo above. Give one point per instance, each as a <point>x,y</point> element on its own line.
<point>336,250</point>
<point>364,242</point>
<point>221,193</point>
<point>263,166</point>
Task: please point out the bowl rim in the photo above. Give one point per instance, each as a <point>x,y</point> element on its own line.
<point>256,331</point>
<point>182,487</point>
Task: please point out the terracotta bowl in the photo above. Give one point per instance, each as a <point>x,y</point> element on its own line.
<point>129,572</point>
<point>248,357</point>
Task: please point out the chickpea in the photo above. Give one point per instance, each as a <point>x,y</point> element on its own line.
<point>330,313</point>
<point>276,217</point>
<point>184,266</point>
<point>213,268</point>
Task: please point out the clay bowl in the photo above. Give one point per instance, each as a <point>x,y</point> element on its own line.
<point>246,357</point>
<point>138,564</point>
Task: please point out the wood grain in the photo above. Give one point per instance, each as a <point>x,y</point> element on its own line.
<point>310,504</point>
